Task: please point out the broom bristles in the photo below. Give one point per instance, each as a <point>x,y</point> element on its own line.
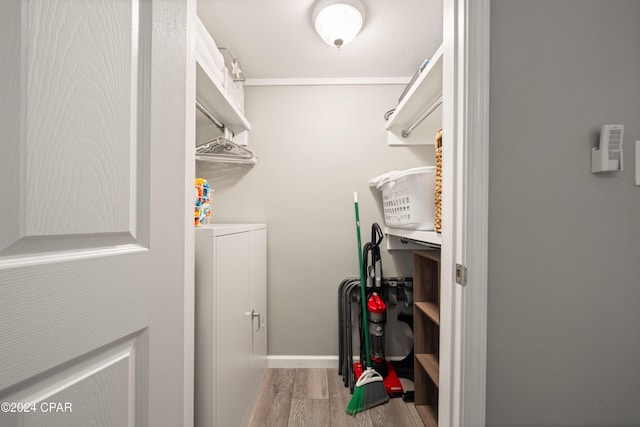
<point>356,404</point>
<point>368,393</point>
<point>375,394</point>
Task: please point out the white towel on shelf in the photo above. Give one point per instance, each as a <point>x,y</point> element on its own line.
<point>209,45</point>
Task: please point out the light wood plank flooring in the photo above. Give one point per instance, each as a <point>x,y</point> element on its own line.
<point>318,398</point>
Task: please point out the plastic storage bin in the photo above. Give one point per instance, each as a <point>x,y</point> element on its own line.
<point>408,198</point>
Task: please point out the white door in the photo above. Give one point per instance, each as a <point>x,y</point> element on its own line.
<point>93,263</point>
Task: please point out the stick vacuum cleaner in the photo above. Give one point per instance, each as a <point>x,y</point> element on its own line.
<point>376,316</point>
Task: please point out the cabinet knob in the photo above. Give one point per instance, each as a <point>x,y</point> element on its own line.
<point>255,314</point>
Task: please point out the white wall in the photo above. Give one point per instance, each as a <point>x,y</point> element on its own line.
<point>564,244</point>
<point>316,145</point>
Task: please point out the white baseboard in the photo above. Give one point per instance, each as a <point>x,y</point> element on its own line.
<point>302,362</point>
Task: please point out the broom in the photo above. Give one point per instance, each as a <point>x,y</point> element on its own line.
<point>369,390</point>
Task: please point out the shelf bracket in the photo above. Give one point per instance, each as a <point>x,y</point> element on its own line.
<point>461,274</point>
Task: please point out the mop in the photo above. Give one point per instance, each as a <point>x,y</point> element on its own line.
<point>369,390</point>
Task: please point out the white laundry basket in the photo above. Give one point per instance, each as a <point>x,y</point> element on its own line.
<point>408,198</point>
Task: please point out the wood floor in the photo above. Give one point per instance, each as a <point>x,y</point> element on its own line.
<point>318,398</point>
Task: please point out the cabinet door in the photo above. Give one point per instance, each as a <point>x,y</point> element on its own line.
<point>233,331</point>
<point>258,290</point>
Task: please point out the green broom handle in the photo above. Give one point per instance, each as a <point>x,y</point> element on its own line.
<point>362,283</point>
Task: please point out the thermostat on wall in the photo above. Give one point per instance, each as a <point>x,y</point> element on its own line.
<point>607,157</point>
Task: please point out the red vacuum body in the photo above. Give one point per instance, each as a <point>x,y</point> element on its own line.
<point>377,318</point>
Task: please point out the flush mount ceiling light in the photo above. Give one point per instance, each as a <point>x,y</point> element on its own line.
<point>338,21</point>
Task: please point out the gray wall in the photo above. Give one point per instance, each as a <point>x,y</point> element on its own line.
<point>316,145</point>
<point>564,246</point>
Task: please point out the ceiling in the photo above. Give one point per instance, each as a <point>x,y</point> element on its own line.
<point>275,39</point>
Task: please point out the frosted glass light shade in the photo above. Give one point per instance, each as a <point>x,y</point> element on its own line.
<point>338,23</point>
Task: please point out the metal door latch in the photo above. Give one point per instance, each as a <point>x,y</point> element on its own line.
<point>461,274</point>
<point>255,314</point>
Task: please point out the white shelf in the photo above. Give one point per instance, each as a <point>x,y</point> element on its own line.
<point>397,238</point>
<point>210,90</point>
<point>423,93</point>
<point>215,99</point>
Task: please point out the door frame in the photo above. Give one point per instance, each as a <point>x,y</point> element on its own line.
<point>463,349</point>
<point>464,324</point>
<point>476,142</point>
<point>172,333</point>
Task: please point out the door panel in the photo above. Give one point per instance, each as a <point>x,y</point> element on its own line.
<point>72,130</point>
<point>233,326</point>
<point>11,179</point>
<point>80,74</point>
<point>74,244</point>
<point>102,385</point>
